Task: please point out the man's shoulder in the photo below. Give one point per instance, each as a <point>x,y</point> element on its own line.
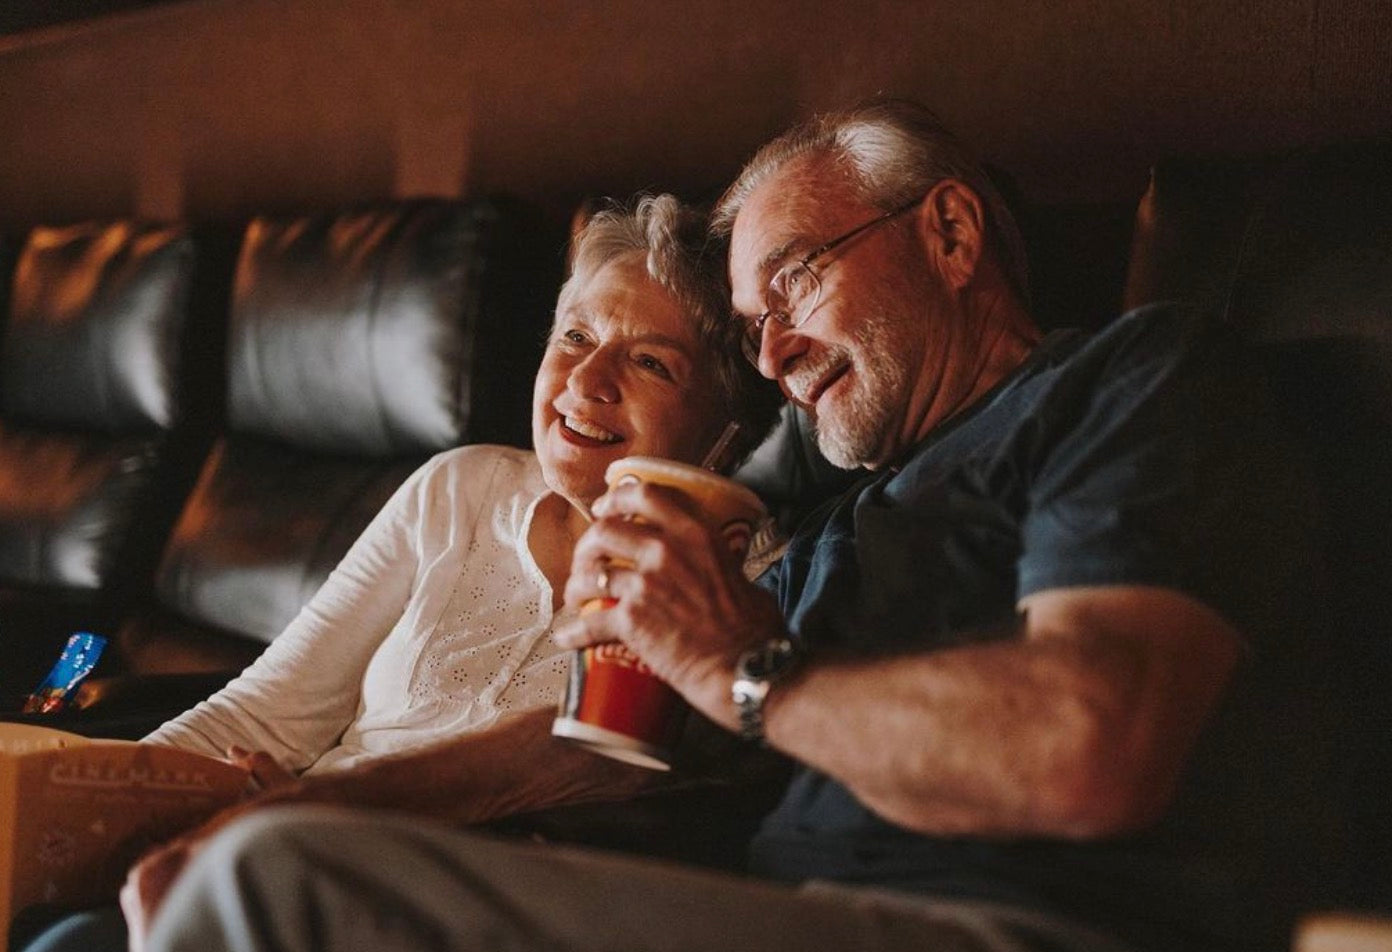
<point>1156,333</point>
<point>1130,363</point>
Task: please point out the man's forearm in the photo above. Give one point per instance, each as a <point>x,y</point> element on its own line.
<point>1078,727</point>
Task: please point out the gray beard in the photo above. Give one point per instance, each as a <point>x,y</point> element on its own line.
<point>880,355</point>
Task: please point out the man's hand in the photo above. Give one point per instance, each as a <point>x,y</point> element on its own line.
<point>150,880</point>
<point>682,602</point>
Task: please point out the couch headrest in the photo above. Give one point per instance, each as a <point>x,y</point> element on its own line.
<point>346,330</point>
<point>1317,253</point>
<point>1296,253</point>
<point>368,332</point>
<point>1285,248</point>
<point>96,314</point>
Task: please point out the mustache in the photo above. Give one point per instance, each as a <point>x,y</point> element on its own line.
<point>812,370</point>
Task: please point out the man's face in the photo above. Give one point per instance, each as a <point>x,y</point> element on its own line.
<point>855,362</point>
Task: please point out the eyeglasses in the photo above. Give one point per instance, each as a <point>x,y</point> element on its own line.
<point>794,292</point>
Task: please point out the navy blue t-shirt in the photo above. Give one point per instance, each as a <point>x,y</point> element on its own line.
<point>1145,455</point>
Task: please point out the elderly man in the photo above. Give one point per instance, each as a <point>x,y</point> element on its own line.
<point>1027,669</point>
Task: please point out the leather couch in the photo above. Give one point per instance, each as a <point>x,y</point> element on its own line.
<point>101,424</point>
<point>180,471</point>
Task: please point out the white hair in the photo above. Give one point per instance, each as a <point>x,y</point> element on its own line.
<point>679,255</point>
<point>894,152</point>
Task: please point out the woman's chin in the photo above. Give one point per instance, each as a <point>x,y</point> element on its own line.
<point>578,486</point>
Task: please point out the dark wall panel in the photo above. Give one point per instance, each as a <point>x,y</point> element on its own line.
<point>225,107</point>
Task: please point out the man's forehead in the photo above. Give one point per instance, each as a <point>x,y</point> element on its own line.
<point>783,217</point>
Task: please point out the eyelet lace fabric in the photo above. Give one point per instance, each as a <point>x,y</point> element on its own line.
<point>492,646</point>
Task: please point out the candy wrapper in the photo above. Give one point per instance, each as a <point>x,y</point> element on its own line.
<point>79,657</point>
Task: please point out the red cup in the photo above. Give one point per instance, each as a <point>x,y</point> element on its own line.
<point>614,704</point>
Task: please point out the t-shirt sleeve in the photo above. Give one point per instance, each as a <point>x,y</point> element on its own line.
<point>1170,471</point>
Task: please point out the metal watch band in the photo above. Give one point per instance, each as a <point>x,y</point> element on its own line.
<point>755,674</point>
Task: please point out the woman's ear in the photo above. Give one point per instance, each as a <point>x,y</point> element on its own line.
<point>952,223</point>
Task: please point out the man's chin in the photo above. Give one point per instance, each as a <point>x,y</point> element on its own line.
<point>836,448</point>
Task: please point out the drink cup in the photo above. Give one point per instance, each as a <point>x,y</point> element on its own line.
<point>614,704</point>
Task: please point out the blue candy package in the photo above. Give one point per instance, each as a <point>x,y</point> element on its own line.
<point>79,657</point>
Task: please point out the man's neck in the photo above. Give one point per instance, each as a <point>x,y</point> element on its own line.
<point>1007,337</point>
<point>1010,337</point>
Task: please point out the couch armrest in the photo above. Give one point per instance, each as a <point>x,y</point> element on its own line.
<point>125,706</point>
<point>1344,932</point>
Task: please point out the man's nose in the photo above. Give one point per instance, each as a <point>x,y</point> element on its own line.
<point>594,378</point>
<point>778,347</point>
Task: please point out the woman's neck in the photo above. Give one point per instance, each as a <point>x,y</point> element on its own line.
<point>556,526</point>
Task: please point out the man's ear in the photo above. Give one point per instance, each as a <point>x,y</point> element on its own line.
<point>953,225</point>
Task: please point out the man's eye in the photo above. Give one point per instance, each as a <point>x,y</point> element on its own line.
<point>796,282</point>
<point>573,337</point>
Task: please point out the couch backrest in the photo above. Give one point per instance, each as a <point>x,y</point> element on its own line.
<point>350,332</point>
<point>92,339</point>
<point>89,391</point>
<point>97,412</point>
<point>360,343</point>
<point>1296,253</point>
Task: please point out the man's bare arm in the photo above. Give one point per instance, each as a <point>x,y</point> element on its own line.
<point>1081,727</point>
<point>1078,725</point>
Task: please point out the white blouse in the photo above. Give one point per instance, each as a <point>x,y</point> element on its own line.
<point>437,622</point>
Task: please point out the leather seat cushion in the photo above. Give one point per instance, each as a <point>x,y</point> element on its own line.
<point>68,504</point>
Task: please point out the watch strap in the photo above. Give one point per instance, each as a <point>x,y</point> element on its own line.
<point>755,674</point>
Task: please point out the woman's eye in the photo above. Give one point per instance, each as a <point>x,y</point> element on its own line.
<point>573,337</point>
<point>649,362</point>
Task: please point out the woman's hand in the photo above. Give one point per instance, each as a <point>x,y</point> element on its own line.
<point>148,883</point>
<point>681,601</point>
<point>265,772</point>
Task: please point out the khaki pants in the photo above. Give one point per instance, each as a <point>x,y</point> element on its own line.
<point>300,879</point>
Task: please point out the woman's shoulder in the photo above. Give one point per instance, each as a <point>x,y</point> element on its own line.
<point>482,467</point>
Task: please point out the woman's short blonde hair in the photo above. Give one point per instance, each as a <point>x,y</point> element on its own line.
<point>679,256</point>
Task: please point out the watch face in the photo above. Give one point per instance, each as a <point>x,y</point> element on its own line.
<point>772,658</point>
<point>755,673</point>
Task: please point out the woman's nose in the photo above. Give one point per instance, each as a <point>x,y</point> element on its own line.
<point>594,378</point>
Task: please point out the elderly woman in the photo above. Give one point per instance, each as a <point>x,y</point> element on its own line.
<point>438,621</point>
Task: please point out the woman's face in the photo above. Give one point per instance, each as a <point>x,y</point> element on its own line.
<point>623,375</point>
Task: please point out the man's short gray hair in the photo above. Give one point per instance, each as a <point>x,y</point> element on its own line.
<point>894,151</point>
<point>681,257</point>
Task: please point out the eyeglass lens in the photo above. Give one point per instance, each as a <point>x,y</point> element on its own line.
<point>791,297</point>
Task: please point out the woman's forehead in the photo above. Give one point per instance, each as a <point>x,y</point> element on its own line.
<point>622,296</point>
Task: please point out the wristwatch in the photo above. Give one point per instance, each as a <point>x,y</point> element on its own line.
<point>758,670</point>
